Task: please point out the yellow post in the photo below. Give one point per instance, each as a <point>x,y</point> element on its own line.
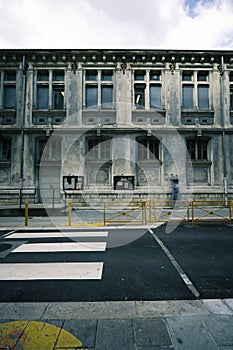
<point>143,213</point>
<point>193,214</point>
<point>26,214</point>
<point>69,212</point>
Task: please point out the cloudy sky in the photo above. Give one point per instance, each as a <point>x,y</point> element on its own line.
<point>116,24</point>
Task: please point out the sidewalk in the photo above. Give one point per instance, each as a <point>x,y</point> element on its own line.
<point>127,325</point>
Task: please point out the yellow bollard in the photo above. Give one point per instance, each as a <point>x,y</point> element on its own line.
<point>26,214</point>
<point>69,212</point>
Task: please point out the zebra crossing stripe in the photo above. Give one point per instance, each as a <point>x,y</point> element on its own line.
<point>51,271</point>
<point>61,247</point>
<point>26,235</point>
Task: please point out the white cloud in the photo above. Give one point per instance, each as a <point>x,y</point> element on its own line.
<point>150,24</point>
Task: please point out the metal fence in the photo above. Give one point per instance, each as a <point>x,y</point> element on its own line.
<point>152,211</point>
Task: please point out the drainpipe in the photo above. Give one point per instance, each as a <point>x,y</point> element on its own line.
<point>24,71</point>
<point>223,131</point>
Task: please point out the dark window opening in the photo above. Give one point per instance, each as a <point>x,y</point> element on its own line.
<point>187,76</point>
<point>42,97</point>
<point>99,149</point>
<point>106,75</point>
<point>198,149</point>
<point>43,75</point>
<point>58,97</point>
<point>91,75</point>
<point>106,96</point>
<point>10,76</point>
<point>155,75</point>
<point>187,96</point>
<point>202,76</point>
<point>203,96</point>
<point>91,97</point>
<point>9,97</point>
<point>58,75</point>
<point>5,150</point>
<point>231,96</point>
<point>155,96</point>
<point>139,75</point>
<point>148,149</point>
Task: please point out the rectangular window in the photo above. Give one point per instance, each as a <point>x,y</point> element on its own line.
<point>99,149</point>
<point>139,75</point>
<point>42,97</point>
<point>139,96</point>
<point>191,147</point>
<point>203,96</point>
<point>148,149</point>
<point>198,149</point>
<point>187,96</point>
<point>43,75</point>
<point>142,149</point>
<point>155,75</point>
<point>58,75</point>
<point>106,75</point>
<point>91,75</point>
<point>10,76</point>
<point>202,149</point>
<point>187,76</point>
<point>202,76</point>
<point>106,96</point>
<point>155,97</point>
<point>9,96</point>
<point>231,76</point>
<point>5,150</point>
<point>231,97</point>
<point>58,97</point>
<point>91,97</point>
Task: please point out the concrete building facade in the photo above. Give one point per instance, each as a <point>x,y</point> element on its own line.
<point>104,124</point>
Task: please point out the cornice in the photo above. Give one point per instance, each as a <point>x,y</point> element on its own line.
<point>84,56</point>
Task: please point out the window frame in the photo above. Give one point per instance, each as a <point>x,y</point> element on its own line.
<point>52,84</point>
<point>144,146</point>
<point>104,78</point>
<point>196,81</point>
<point>146,85</point>
<point>101,149</point>
<point>7,151</point>
<point>199,147</point>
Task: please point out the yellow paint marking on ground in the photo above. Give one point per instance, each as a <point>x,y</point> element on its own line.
<point>85,224</point>
<point>66,340</point>
<point>32,335</point>
<point>10,332</point>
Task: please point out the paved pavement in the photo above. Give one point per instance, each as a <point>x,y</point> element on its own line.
<point>204,324</point>
<point>136,325</point>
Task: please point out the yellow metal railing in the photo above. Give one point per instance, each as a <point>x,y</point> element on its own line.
<point>121,213</point>
<point>211,211</point>
<point>168,211</point>
<point>153,211</point>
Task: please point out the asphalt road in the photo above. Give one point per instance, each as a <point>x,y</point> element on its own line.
<point>137,265</point>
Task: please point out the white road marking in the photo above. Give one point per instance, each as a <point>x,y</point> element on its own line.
<point>61,247</point>
<point>26,235</point>
<point>179,269</point>
<point>41,271</point>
